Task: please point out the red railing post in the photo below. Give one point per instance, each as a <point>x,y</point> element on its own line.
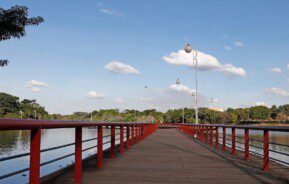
<point>211,135</point>
<point>224,139</point>
<point>132,134</point>
<point>203,133</point>
<point>112,142</point>
<point>217,138</point>
<point>78,156</point>
<point>136,133</point>
<point>99,146</point>
<point>35,142</point>
<point>233,141</point>
<point>121,149</point>
<point>266,151</point>
<point>246,144</point>
<point>127,137</point>
<point>206,134</point>
<point>142,132</point>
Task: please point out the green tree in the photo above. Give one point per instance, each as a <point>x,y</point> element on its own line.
<point>8,104</point>
<point>274,112</point>
<point>259,112</point>
<point>13,22</point>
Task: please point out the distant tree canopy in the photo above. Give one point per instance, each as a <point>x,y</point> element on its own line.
<point>12,107</point>
<point>13,22</point>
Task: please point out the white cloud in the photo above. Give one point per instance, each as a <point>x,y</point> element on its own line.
<point>118,67</point>
<point>36,89</point>
<point>118,100</point>
<point>288,67</point>
<point>36,86</point>
<point>35,83</point>
<point>95,95</point>
<point>144,99</point>
<point>181,89</point>
<point>227,48</point>
<point>277,92</point>
<point>276,70</point>
<point>205,63</point>
<point>232,71</point>
<point>239,44</point>
<point>261,104</point>
<point>110,12</point>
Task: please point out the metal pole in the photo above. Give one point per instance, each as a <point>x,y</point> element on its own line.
<point>197,94</point>
<point>183,114</point>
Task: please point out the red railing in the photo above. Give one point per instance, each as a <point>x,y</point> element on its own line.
<point>208,132</point>
<point>135,132</point>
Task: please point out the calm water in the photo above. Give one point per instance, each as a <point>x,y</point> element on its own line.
<point>16,142</point>
<point>274,137</point>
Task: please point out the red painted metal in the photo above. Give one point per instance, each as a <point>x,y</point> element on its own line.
<point>233,141</point>
<point>78,156</point>
<point>142,132</point>
<point>136,134</point>
<point>266,151</point>
<point>217,138</point>
<point>246,144</point>
<point>203,135</point>
<point>127,137</point>
<point>35,141</point>
<point>200,136</point>
<point>224,139</point>
<point>132,135</point>
<point>99,146</point>
<point>121,149</point>
<point>206,135</point>
<point>211,135</point>
<point>112,142</point>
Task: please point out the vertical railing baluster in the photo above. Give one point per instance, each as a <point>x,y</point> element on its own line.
<point>224,139</point>
<point>266,151</point>
<point>217,138</point>
<point>78,156</point>
<point>99,146</point>
<point>246,144</point>
<point>136,133</point>
<point>121,150</point>
<point>112,142</point>
<point>127,137</point>
<point>211,135</point>
<point>35,143</point>
<point>233,141</point>
<point>132,135</point>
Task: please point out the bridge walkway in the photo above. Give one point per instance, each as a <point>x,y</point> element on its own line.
<point>168,156</point>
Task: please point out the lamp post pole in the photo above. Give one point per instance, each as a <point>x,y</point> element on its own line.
<point>178,82</point>
<point>188,49</point>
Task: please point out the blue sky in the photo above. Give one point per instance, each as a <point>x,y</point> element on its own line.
<point>62,62</point>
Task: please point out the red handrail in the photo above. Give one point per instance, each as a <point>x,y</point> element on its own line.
<point>201,131</point>
<point>139,131</point>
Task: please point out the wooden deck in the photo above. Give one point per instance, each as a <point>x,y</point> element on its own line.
<point>168,156</point>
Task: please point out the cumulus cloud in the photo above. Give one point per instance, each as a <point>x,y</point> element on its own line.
<point>36,86</point>
<point>277,92</point>
<point>144,99</point>
<point>261,104</point>
<point>121,68</point>
<point>95,95</point>
<point>35,83</point>
<point>239,44</point>
<point>110,12</point>
<point>276,70</point>
<point>181,89</point>
<point>206,62</point>
<point>118,100</point>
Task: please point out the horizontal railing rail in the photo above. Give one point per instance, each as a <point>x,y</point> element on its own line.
<point>210,132</point>
<point>134,133</point>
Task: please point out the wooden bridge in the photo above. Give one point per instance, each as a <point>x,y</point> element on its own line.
<point>187,154</point>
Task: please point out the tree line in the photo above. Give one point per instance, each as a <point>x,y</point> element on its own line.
<point>12,107</point>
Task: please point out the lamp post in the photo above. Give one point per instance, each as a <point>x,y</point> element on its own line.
<point>188,49</point>
<point>213,101</point>
<point>178,82</point>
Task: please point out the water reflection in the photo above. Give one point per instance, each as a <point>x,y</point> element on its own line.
<point>16,142</point>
